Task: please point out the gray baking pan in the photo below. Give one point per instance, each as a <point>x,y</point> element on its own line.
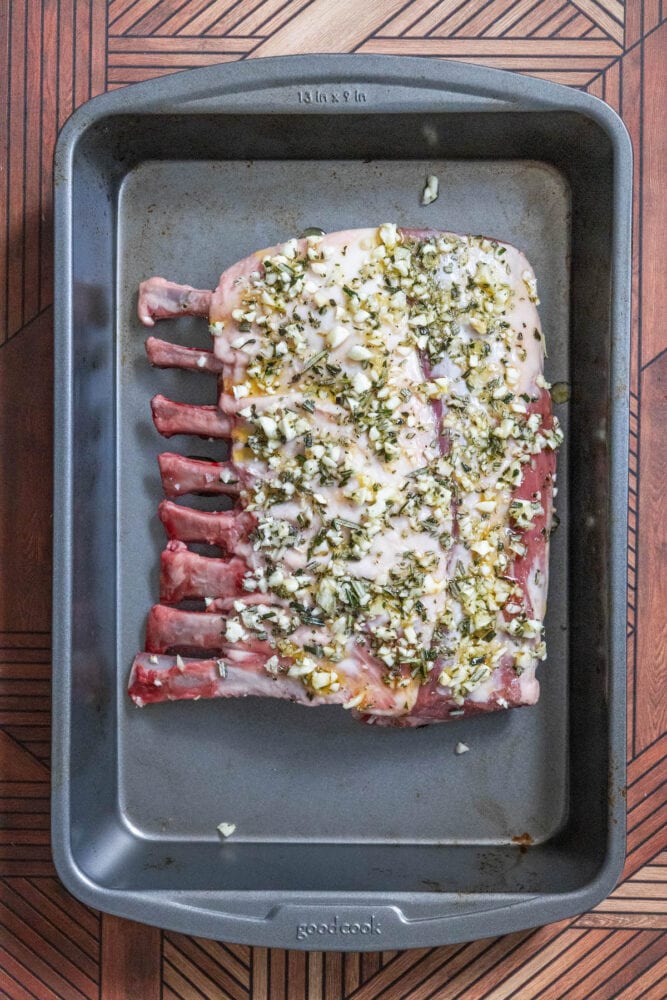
<point>346,837</point>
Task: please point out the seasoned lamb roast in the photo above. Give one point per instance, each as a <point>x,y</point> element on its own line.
<point>391,470</point>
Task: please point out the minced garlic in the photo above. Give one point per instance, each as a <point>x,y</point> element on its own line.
<point>347,466</point>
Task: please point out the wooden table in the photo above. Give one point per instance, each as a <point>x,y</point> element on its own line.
<point>55,55</point>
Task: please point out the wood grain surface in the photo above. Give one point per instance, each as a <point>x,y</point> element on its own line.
<point>54,55</point>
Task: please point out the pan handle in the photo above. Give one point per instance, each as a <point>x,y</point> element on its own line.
<point>329,925</point>
<point>370,927</point>
<point>344,84</point>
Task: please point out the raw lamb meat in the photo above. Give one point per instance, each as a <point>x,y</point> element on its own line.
<point>392,471</point>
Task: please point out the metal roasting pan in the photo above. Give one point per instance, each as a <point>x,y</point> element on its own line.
<point>346,837</point>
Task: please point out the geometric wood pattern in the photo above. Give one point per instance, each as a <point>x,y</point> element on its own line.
<point>56,54</point>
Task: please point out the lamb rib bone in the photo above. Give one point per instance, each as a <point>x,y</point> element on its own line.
<point>227,529</point>
<point>172,418</point>
<point>160,299</point>
<point>163,354</point>
<point>181,476</point>
<point>185,575</point>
